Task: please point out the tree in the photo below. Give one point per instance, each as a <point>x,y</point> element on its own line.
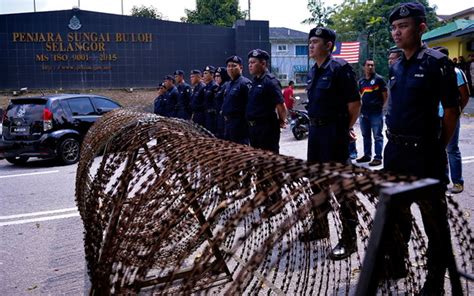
<point>146,11</point>
<point>368,23</point>
<point>215,12</point>
<point>320,14</point>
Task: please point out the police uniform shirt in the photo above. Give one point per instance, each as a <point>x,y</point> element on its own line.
<point>330,88</point>
<point>159,105</point>
<point>197,98</point>
<point>184,97</point>
<point>210,90</point>
<point>264,95</point>
<point>171,98</point>
<point>220,96</point>
<point>236,97</point>
<point>416,87</point>
<point>371,91</point>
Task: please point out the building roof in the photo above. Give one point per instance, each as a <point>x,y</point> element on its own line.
<point>447,30</point>
<point>282,33</point>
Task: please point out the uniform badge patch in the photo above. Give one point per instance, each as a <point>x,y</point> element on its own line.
<point>404,11</point>
<point>372,82</point>
<point>236,59</point>
<point>255,53</point>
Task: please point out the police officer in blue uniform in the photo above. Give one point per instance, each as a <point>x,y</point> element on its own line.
<point>210,90</point>
<point>334,105</point>
<point>159,103</point>
<point>235,102</point>
<point>184,90</point>
<point>222,79</point>
<point>266,111</point>
<point>171,96</point>
<point>197,98</point>
<point>418,81</point>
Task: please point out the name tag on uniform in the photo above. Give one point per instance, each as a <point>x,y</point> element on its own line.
<point>421,75</point>
<point>259,85</point>
<point>324,78</point>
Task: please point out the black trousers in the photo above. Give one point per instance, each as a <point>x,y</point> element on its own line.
<point>425,161</point>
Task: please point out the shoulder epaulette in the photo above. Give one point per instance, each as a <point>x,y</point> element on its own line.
<point>434,53</point>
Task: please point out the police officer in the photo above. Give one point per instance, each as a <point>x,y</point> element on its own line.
<point>266,111</point>
<point>197,98</point>
<point>334,105</point>
<point>171,96</point>
<point>210,90</point>
<point>159,103</point>
<point>419,80</point>
<point>373,91</point>
<point>184,90</point>
<point>222,79</point>
<point>235,102</point>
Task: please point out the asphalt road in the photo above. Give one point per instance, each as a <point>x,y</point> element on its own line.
<point>41,246</point>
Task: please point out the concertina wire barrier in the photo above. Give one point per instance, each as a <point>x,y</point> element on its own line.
<point>169,209</point>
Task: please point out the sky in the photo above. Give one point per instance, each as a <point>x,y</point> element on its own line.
<point>280,13</point>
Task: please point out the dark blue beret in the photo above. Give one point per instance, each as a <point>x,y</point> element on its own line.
<point>322,32</point>
<point>220,70</point>
<point>409,9</point>
<point>161,85</point>
<point>259,54</point>
<point>178,72</point>
<point>209,69</point>
<point>169,77</point>
<point>195,71</point>
<point>234,59</point>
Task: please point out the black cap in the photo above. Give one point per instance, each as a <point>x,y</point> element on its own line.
<point>223,73</point>
<point>234,59</point>
<point>322,32</point>
<point>210,69</point>
<point>169,77</point>
<point>178,72</point>
<point>195,71</point>
<point>259,54</point>
<point>409,9</point>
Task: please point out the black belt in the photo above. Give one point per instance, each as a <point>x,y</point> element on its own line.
<point>320,121</point>
<point>409,141</point>
<point>262,120</point>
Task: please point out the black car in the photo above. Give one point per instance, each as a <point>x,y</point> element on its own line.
<point>49,126</point>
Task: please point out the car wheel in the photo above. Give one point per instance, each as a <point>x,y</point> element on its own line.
<point>17,159</point>
<point>69,151</point>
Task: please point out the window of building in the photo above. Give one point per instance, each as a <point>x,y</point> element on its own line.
<point>282,47</point>
<point>301,50</point>
<point>282,76</point>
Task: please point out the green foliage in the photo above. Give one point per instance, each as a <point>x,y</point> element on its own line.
<point>320,14</point>
<point>146,11</point>
<point>368,23</point>
<point>215,12</point>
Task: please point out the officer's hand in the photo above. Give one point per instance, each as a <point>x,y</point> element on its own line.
<point>283,123</point>
<point>352,135</point>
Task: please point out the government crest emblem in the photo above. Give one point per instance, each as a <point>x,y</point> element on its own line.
<point>74,23</point>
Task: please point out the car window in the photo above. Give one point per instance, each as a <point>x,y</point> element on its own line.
<point>81,106</point>
<point>28,109</point>
<point>104,105</point>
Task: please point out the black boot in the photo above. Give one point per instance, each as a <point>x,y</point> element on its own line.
<point>344,249</point>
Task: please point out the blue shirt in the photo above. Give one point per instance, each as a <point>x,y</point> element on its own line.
<point>371,91</point>
<point>264,95</point>
<point>210,94</point>
<point>171,98</point>
<point>330,88</point>
<point>236,97</point>
<point>197,98</point>
<point>416,87</point>
<point>184,97</point>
